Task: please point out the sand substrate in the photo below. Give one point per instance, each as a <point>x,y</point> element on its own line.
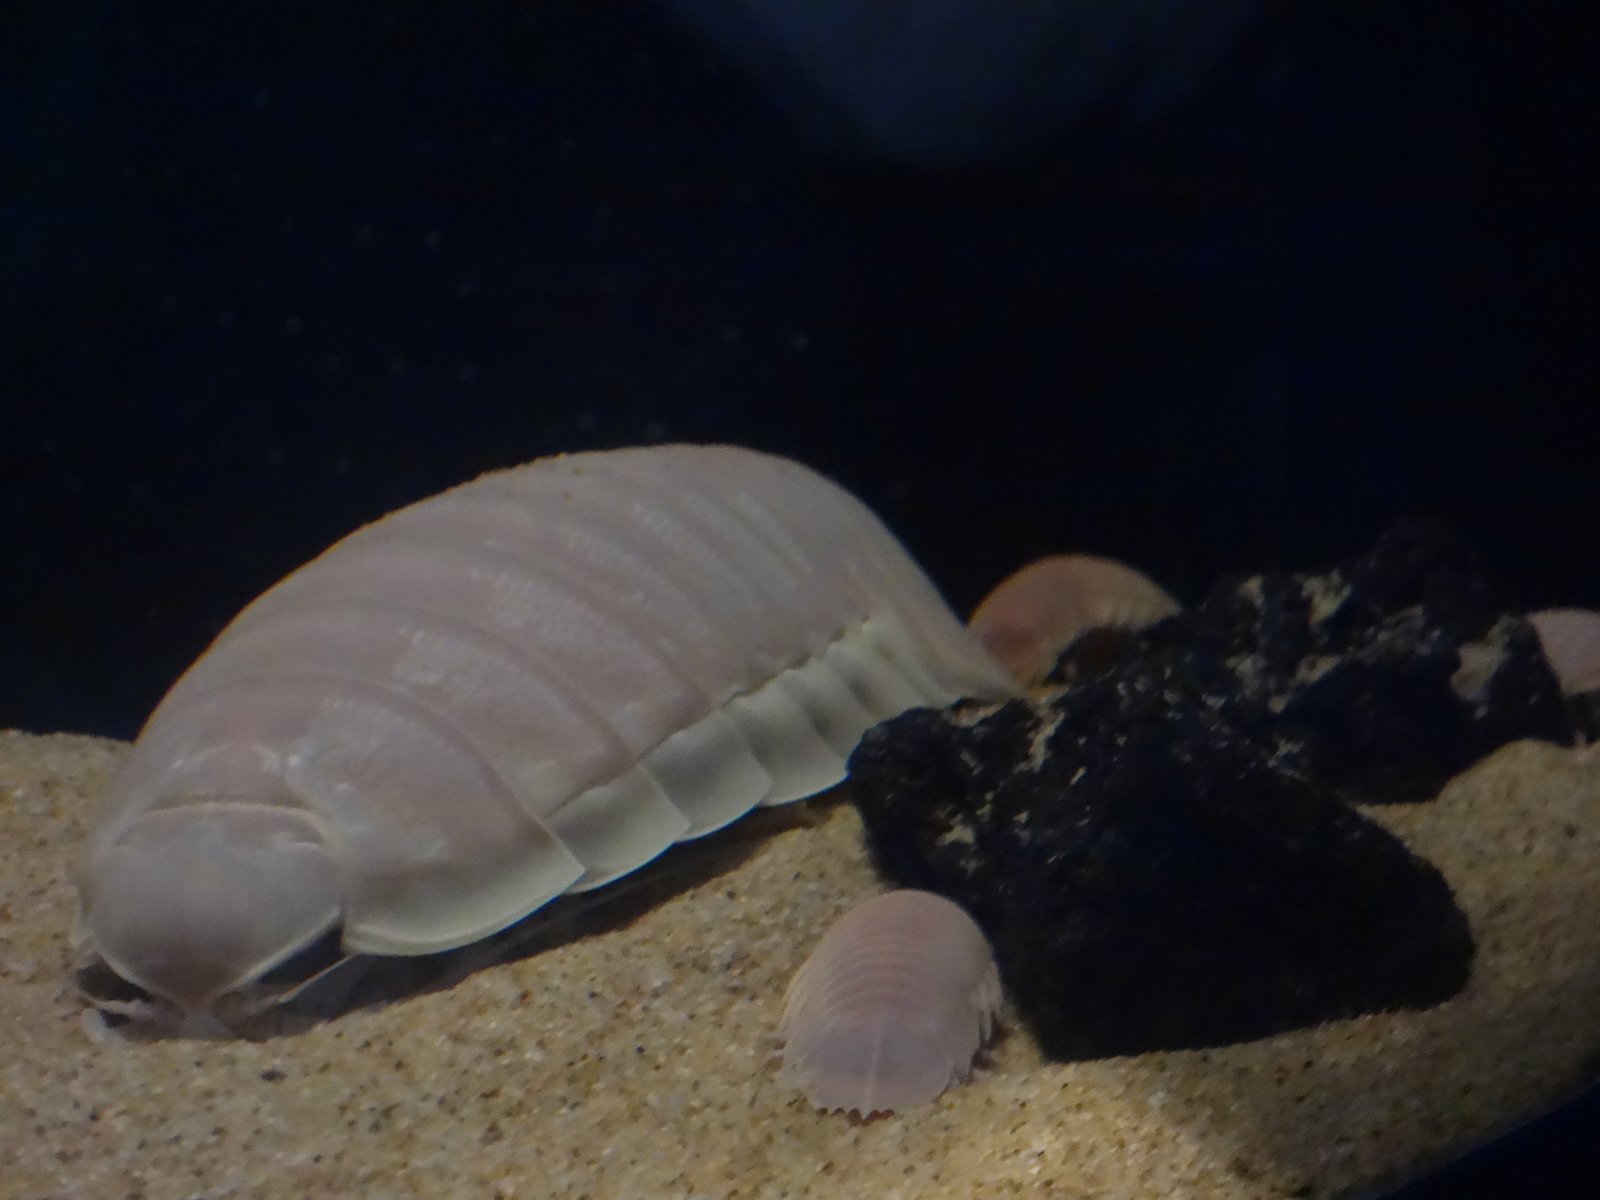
<point>640,1061</point>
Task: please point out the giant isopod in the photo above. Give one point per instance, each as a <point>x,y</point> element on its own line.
<point>531,684</point>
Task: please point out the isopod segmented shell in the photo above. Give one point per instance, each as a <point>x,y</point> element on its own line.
<point>1034,614</point>
<point>528,685</point>
<point>892,1006</point>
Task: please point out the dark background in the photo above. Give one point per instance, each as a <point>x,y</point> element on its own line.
<point>268,271</point>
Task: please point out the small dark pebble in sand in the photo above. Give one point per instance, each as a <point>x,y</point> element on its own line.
<point>1162,846</point>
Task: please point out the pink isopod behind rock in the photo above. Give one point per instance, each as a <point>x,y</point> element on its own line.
<point>1570,639</point>
<point>1034,614</point>
<point>892,1006</point>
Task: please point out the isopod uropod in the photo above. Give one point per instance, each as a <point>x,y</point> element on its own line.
<point>531,684</point>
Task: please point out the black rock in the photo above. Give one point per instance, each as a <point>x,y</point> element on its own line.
<point>1385,676</point>
<point>1584,709</point>
<point>1162,848</point>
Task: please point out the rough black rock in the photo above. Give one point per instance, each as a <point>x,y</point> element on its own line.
<point>1162,849</point>
<point>1385,677</point>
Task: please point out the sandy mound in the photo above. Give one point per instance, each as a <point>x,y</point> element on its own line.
<point>640,1061</point>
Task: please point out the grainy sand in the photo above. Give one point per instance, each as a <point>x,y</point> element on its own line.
<point>639,1062</point>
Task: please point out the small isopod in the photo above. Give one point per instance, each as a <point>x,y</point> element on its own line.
<point>892,1006</point>
<point>1570,639</point>
<point>1033,614</point>
<point>531,684</point>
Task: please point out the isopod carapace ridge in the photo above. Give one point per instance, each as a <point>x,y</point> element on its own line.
<point>528,685</point>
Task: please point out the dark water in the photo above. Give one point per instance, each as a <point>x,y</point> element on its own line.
<point>270,271</point>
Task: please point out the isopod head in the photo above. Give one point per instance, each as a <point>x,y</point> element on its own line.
<point>892,1006</point>
<point>189,902</point>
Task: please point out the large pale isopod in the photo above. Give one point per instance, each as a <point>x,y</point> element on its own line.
<point>529,685</point>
